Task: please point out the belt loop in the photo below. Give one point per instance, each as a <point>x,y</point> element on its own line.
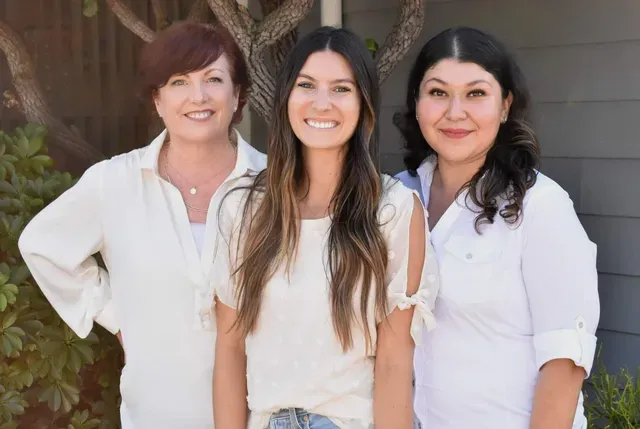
<point>294,419</point>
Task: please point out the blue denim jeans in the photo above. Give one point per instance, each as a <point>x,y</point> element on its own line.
<point>296,418</point>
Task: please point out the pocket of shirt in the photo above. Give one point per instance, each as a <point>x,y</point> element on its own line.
<point>469,270</point>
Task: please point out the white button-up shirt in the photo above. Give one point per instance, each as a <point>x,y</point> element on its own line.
<point>155,284</point>
<point>510,300</point>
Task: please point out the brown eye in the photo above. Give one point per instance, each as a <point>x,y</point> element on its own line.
<point>437,92</point>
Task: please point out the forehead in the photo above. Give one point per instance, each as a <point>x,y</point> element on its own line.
<point>221,64</point>
<point>459,73</point>
<point>327,66</point>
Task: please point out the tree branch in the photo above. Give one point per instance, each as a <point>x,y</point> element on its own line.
<point>199,11</point>
<point>160,13</point>
<point>280,22</point>
<point>238,22</point>
<point>404,32</point>
<point>131,21</point>
<point>279,51</point>
<point>30,99</point>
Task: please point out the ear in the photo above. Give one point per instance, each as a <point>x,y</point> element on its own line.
<point>506,105</point>
<point>236,97</point>
<point>156,102</point>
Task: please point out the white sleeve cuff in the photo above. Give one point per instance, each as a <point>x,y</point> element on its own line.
<point>575,344</point>
<point>107,318</point>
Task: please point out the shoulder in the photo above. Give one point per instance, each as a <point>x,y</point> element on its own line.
<point>544,193</point>
<point>397,199</point>
<point>256,160</point>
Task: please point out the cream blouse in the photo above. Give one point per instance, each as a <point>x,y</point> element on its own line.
<point>294,359</point>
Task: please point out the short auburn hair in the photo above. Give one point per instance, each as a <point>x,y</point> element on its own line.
<point>184,47</point>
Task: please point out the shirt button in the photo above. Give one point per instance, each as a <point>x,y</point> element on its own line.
<point>469,256</point>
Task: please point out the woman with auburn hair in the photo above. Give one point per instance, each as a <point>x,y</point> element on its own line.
<point>518,305</point>
<point>152,215</point>
<point>325,260</point>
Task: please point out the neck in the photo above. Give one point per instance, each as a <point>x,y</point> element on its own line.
<point>323,169</point>
<point>450,178</point>
<point>196,153</point>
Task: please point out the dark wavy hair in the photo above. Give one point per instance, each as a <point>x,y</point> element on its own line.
<point>357,251</point>
<point>511,163</point>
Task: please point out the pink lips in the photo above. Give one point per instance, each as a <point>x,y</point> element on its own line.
<point>455,133</point>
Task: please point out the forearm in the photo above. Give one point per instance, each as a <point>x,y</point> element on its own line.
<point>230,388</point>
<point>393,393</point>
<point>556,395</point>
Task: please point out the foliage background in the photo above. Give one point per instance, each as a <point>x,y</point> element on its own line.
<point>49,378</point>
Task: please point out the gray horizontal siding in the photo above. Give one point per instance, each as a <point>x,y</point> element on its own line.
<point>589,129</point>
<point>619,349</point>
<point>530,23</point>
<point>618,240</point>
<point>619,298</point>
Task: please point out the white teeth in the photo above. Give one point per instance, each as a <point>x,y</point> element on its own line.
<point>323,125</point>
<point>200,115</point>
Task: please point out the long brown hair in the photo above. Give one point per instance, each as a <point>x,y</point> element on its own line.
<point>271,220</point>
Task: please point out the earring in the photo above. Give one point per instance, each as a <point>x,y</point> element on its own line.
<point>235,108</point>
<point>504,118</point>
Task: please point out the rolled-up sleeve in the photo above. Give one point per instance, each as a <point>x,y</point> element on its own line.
<point>559,269</point>
<point>57,245</point>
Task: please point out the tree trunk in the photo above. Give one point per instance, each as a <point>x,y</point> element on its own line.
<point>404,32</point>
<point>279,51</point>
<point>31,100</point>
<point>131,21</point>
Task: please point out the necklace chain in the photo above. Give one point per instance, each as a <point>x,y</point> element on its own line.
<point>193,190</point>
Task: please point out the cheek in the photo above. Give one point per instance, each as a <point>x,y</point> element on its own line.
<point>350,110</point>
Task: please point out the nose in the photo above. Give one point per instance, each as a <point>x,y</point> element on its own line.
<point>198,94</point>
<point>321,100</point>
<point>456,109</point>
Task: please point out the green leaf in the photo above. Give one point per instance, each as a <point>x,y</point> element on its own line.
<point>32,327</point>
<point>22,146</point>
<point>6,346</point>
<point>7,188</point>
<point>16,341</point>
<point>9,320</point>
<point>35,145</point>
<point>45,160</point>
<point>90,8</point>
<point>3,302</point>
<point>85,352</point>
<point>20,275</point>
<point>372,46</point>
<point>56,400</point>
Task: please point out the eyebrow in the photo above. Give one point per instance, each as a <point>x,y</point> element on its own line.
<point>473,82</point>
<point>206,72</point>
<point>346,80</point>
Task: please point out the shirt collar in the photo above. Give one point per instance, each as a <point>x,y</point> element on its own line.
<point>248,160</point>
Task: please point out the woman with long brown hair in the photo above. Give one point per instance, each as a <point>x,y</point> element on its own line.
<point>324,262</point>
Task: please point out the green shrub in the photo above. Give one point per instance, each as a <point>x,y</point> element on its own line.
<point>49,377</point>
<point>613,400</point>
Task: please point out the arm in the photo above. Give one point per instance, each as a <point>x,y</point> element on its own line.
<point>556,395</point>
<point>393,396</point>
<point>57,246</point>
<point>559,269</point>
<point>229,374</point>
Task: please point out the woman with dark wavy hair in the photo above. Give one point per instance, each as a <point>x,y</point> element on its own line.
<point>518,306</point>
<point>327,260</point>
